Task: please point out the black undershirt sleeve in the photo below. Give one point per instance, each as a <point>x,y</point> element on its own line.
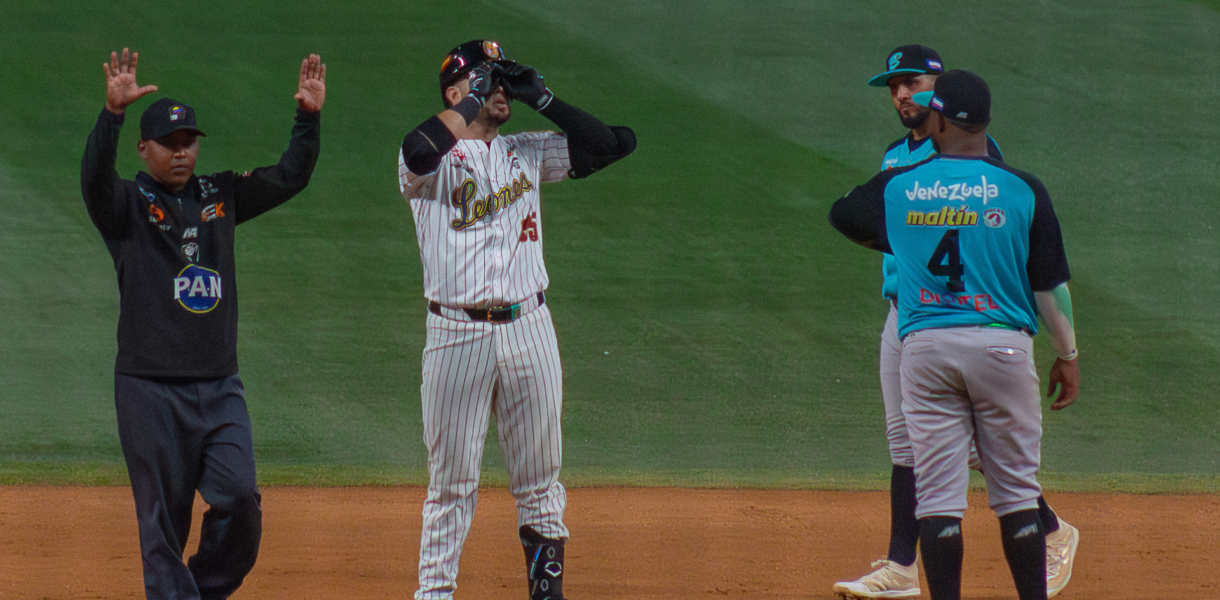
<point>860,215</point>
<point>426,145</point>
<point>592,145</point>
<point>1047,265</point>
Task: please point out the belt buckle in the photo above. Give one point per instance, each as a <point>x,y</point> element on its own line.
<point>506,314</point>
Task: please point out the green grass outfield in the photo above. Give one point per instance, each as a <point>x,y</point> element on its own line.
<point>715,331</point>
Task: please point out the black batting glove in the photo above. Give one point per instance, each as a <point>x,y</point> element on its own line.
<point>484,79</point>
<point>523,83</point>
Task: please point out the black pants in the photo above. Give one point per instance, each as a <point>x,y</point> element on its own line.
<point>179,438</point>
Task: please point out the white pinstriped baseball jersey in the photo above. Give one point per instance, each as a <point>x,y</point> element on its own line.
<point>477,218</point>
<point>479,229</point>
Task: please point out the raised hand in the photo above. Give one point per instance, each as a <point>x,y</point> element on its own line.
<point>522,82</point>
<point>483,81</point>
<point>311,86</point>
<point>121,87</point>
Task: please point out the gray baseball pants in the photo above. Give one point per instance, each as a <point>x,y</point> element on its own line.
<point>972,383</point>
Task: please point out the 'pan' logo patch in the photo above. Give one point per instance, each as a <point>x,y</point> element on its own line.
<point>197,289</point>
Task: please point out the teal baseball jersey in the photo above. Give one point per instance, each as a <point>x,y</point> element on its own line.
<point>973,239</point>
<point>904,152</point>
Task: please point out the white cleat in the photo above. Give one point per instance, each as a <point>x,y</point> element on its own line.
<point>1060,552</point>
<point>888,580</point>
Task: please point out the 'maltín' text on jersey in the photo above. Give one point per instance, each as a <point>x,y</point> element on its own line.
<point>945,217</point>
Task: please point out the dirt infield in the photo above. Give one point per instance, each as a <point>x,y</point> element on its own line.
<point>631,543</point>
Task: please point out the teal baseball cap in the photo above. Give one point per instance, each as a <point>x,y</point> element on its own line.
<point>959,95</point>
<point>914,58</point>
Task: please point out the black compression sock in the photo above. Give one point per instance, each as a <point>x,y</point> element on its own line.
<point>941,538</point>
<point>904,527</point>
<point>1025,548</point>
<point>1050,521</point>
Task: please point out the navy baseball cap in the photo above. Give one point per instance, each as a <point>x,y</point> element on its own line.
<point>467,56</point>
<point>909,59</point>
<point>959,95</point>
<point>166,116</point>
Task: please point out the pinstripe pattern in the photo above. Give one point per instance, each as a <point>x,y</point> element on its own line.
<point>479,258</point>
<point>485,263</point>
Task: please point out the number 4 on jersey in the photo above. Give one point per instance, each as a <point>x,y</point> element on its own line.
<point>946,261</point>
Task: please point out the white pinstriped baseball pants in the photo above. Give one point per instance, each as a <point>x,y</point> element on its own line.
<point>470,369</point>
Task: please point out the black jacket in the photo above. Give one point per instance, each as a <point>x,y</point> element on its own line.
<point>174,252</point>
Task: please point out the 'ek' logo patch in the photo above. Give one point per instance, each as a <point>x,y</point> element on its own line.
<point>212,211</point>
<point>197,289</point>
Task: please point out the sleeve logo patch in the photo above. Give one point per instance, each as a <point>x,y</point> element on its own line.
<point>207,188</point>
<point>197,289</point>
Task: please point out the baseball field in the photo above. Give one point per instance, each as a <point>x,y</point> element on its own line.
<point>717,335</point>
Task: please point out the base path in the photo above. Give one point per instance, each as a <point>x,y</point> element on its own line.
<point>61,543</point>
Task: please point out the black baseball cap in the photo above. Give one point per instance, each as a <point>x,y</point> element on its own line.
<point>166,116</point>
<point>959,95</point>
<point>467,56</point>
<point>914,58</point>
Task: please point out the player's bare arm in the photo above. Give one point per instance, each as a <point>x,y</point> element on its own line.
<point>1055,307</point>
<point>121,87</point>
<point>311,85</point>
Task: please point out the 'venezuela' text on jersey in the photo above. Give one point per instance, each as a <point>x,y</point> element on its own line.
<point>955,225</point>
<point>905,152</point>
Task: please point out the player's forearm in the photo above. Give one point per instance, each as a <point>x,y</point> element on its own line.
<point>101,186</point>
<point>269,187</point>
<point>592,145</point>
<point>1055,307</point>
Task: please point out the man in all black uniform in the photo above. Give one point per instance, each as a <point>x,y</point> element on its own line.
<point>181,408</point>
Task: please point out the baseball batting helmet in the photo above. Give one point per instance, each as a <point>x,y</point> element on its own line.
<point>465,57</point>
